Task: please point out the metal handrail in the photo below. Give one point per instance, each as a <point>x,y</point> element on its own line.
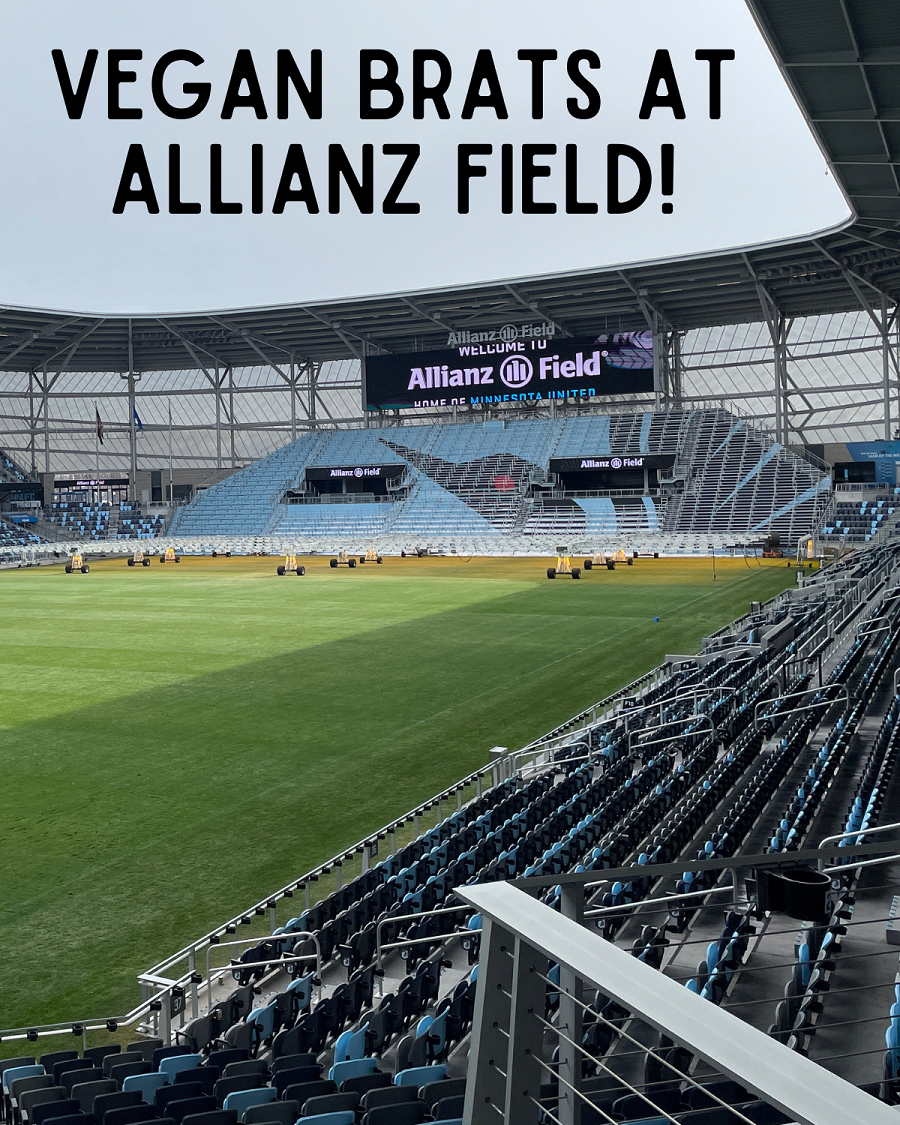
<point>858,832</point>
<point>842,698</point>
<point>222,969</point>
<point>675,737</point>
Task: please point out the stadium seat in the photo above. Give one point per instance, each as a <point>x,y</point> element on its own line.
<point>125,1070</point>
<point>96,1055</point>
<point>28,1100</point>
<point>213,1117</point>
<point>242,1100</point>
<point>421,1075</point>
<point>389,1095</point>
<point>120,1100</point>
<point>352,1068</point>
<point>86,1092</point>
<point>39,1112</point>
<point>302,1092</point>
<point>117,1058</point>
<point>178,1092</point>
<point>347,1117</point>
<point>405,1113</point>
<point>129,1115</point>
<point>72,1078</point>
<point>331,1103</point>
<point>48,1061</point>
<point>144,1047</point>
<point>274,1113</point>
<point>174,1064</point>
<point>178,1110</point>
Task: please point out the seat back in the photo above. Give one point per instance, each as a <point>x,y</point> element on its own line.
<point>6,1065</point>
<point>407,1113</point>
<point>245,1067</point>
<point>435,1092</point>
<point>345,1117</point>
<point>178,1110</point>
<point>180,1092</point>
<point>122,1071</point>
<point>449,1107</point>
<point>421,1075</point>
<point>204,1076</point>
<point>129,1115</point>
<point>39,1112</point>
<point>291,1062</point>
<point>389,1095</point>
<point>365,1082</point>
<point>352,1068</point>
<point>241,1100</point>
<point>85,1093</point>
<point>118,1058</point>
<point>226,1086</point>
<point>96,1055</point>
<point>26,1070</point>
<point>20,1086</point>
<point>285,1078</point>
<point>331,1103</point>
<point>73,1078</point>
<point>42,1096</point>
<point>212,1117</point>
<point>144,1047</point>
<point>303,1091</point>
<point>122,1099</point>
<point>174,1064</point>
<point>48,1061</point>
<point>279,1113</point>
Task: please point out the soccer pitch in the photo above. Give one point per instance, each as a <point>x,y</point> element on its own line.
<point>179,741</point>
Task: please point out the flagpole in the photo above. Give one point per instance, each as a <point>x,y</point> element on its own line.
<point>96,444</point>
<point>171,490</point>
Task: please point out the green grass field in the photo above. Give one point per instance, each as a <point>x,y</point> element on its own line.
<point>179,741</point>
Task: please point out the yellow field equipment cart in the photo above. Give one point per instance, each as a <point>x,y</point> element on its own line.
<point>291,566</point>
<point>77,565</point>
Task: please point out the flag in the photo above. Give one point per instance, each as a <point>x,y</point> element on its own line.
<point>99,425</point>
<point>140,424</point>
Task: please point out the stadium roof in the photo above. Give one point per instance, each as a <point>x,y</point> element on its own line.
<point>841,58</point>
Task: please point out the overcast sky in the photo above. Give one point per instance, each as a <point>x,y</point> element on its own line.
<point>752,176</point>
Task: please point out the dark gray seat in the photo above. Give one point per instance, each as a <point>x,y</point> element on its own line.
<point>39,1095</point>
<point>274,1113</point>
<point>389,1095</point>
<point>121,1099</point>
<point>96,1055</point>
<point>213,1117</point>
<point>86,1092</point>
<point>48,1110</point>
<point>119,1058</point>
<point>331,1103</point>
<point>144,1047</point>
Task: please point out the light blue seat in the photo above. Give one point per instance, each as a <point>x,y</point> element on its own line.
<point>352,1068</point>
<point>10,1076</point>
<point>421,1075</point>
<point>351,1044</point>
<point>175,1064</point>
<point>145,1084</point>
<point>345,1117</point>
<point>303,987</point>
<point>242,1100</point>
<point>264,1018</point>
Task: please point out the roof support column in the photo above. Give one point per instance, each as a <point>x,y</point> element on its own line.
<point>888,359</point>
<point>231,411</point>
<point>32,425</point>
<point>45,387</point>
<point>217,390</point>
<point>292,383</point>
<point>312,372</point>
